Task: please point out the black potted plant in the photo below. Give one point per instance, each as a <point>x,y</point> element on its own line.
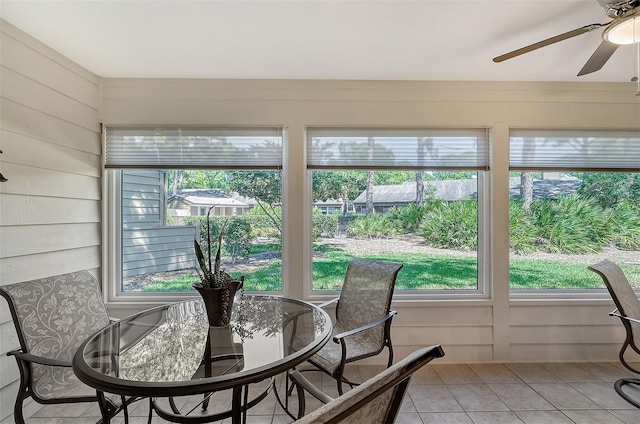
<point>216,286</point>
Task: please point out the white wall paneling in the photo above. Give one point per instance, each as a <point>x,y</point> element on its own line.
<point>50,219</point>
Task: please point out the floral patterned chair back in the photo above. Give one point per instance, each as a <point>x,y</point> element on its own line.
<point>53,316</point>
<point>377,400</point>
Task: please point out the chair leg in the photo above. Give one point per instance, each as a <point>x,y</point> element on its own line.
<point>17,409</point>
<point>25,377</point>
<point>624,381</point>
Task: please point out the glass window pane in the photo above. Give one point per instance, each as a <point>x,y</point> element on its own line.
<point>163,212</point>
<point>561,222</point>
<point>436,241</point>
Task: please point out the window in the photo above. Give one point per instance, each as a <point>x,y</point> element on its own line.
<point>413,196</point>
<point>575,200</point>
<point>162,208</point>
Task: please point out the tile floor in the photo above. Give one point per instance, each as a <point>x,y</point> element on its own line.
<point>441,393</point>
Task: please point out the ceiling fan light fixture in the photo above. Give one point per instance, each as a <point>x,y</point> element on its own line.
<point>624,31</point>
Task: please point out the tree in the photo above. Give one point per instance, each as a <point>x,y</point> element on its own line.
<point>265,187</point>
<point>422,144</point>
<point>369,189</point>
<point>611,189</point>
<point>526,190</point>
<point>338,185</point>
<point>178,180</point>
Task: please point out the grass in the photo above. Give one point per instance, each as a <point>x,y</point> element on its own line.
<point>420,272</point>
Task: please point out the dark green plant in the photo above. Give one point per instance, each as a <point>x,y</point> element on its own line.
<point>571,224</point>
<point>238,238</point>
<point>325,225</point>
<point>370,226</point>
<point>407,219</point>
<point>522,232</point>
<point>451,225</point>
<point>625,224</point>
<point>210,272</point>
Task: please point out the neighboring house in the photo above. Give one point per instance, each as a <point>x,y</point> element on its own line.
<point>190,202</point>
<point>329,206</point>
<point>149,245</point>
<point>397,195</point>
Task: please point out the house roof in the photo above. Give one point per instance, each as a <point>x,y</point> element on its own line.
<point>451,190</point>
<point>208,197</point>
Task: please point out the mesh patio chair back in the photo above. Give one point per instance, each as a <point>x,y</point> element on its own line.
<point>377,400</point>
<point>365,297</point>
<point>363,316</point>
<point>625,300</point>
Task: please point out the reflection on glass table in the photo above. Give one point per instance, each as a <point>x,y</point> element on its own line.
<point>171,351</point>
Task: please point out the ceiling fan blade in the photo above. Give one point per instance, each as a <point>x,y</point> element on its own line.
<point>598,58</point>
<point>548,41</point>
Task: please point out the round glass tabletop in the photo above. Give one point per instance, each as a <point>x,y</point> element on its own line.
<point>171,350</point>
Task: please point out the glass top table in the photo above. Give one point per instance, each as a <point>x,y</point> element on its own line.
<point>171,350</point>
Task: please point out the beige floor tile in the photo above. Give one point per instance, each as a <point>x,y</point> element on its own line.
<point>606,371</point>
<point>533,373</point>
<point>629,416</point>
<point>494,373</point>
<point>494,418</point>
<point>426,375</point>
<point>433,398</point>
<point>603,394</point>
<point>476,397</point>
<point>456,374</point>
<point>520,397</point>
<point>446,418</point>
<point>581,416</point>
<point>408,418</point>
<point>571,372</point>
<point>563,396</point>
<point>543,417</point>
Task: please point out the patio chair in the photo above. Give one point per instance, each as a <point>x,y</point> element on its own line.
<point>377,400</point>
<point>52,317</point>
<point>362,326</point>
<point>628,310</point>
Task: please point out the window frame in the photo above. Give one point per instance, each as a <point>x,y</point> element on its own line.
<point>483,292</point>
<point>112,231</point>
<point>615,161</point>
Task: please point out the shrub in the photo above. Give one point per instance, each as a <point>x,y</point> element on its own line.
<point>571,224</point>
<point>522,232</point>
<point>325,225</point>
<point>370,226</point>
<point>625,226</point>
<point>406,219</point>
<point>237,238</point>
<point>451,225</point>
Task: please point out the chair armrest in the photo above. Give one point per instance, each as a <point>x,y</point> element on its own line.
<point>328,302</point>
<point>372,324</point>
<point>27,357</point>
<point>112,320</point>
<point>615,313</point>
<point>299,379</point>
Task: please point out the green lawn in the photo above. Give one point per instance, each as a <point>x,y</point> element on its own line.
<point>421,272</point>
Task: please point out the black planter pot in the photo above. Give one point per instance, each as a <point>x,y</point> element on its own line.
<point>218,301</point>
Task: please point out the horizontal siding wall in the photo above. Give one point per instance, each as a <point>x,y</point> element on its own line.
<point>50,219</point>
<point>499,328</point>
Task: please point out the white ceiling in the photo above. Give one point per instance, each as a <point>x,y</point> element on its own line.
<point>451,40</point>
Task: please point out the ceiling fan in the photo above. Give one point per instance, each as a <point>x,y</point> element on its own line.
<point>623,29</point>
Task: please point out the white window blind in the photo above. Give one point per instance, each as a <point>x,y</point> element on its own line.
<point>393,148</point>
<point>193,147</point>
<point>574,150</point>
